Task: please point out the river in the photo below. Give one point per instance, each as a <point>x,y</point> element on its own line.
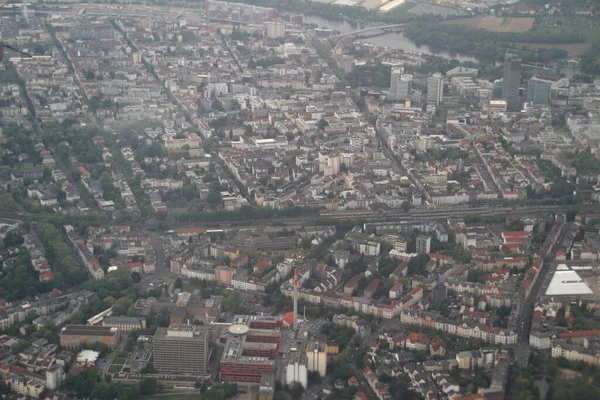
<point>393,40</point>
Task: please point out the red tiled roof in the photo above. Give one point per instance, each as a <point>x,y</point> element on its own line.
<point>417,338</point>
<point>579,334</point>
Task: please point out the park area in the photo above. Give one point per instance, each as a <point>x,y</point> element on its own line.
<point>495,24</point>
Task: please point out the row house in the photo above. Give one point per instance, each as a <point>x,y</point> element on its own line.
<point>464,329</point>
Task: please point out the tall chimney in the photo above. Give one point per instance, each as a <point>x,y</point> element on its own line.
<point>295,299</point>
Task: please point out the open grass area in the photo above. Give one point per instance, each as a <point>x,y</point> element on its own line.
<point>190,287</point>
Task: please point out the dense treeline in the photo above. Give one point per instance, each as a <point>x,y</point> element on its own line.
<point>89,383</point>
<point>467,33</point>
<point>377,75</point>
<point>590,60</point>
<point>67,268</point>
<point>18,278</point>
<point>490,46</point>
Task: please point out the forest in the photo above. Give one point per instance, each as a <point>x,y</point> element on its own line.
<point>490,46</point>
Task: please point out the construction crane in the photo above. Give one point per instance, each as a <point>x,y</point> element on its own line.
<point>3,45</point>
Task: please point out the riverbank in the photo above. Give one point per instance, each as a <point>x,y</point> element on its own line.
<point>395,40</point>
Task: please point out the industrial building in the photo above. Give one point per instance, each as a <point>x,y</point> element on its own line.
<point>71,336</point>
<point>182,348</point>
<point>316,357</point>
<point>251,345</point>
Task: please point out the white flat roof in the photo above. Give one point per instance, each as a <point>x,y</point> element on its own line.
<point>88,356</point>
<point>567,282</point>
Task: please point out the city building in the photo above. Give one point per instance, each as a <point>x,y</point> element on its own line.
<point>124,323</point>
<point>71,336</point>
<point>266,390</point>
<point>296,370</point>
<point>396,73</point>
<point>538,91</point>
<point>423,244</point>
<point>87,358</point>
<point>54,376</point>
<point>275,30</point>
<point>316,357</point>
<point>510,82</point>
<point>182,349</point>
<point>435,89</point>
<point>251,345</point>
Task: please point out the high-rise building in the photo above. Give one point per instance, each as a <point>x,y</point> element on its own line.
<point>423,244</point>
<point>316,357</point>
<point>181,348</point>
<point>403,87</point>
<point>396,74</point>
<point>275,30</point>
<point>538,91</point>
<point>510,82</point>
<point>54,376</point>
<point>435,89</point>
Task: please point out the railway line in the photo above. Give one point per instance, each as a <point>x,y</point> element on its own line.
<point>393,216</point>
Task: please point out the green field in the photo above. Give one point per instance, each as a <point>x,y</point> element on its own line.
<point>190,287</point>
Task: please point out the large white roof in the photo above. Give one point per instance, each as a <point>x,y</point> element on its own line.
<point>567,282</point>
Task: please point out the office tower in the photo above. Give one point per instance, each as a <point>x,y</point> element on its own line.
<point>510,82</point>
<point>275,30</point>
<point>538,91</point>
<point>395,76</point>
<point>423,244</point>
<point>404,88</point>
<point>435,89</point>
<point>181,348</point>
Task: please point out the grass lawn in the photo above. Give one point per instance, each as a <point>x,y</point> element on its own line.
<point>190,287</point>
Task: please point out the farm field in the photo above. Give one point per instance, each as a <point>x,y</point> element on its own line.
<point>495,24</point>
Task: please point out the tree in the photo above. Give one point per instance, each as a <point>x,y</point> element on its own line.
<point>13,239</point>
<point>322,124</point>
<point>405,206</point>
<point>77,317</point>
<point>232,302</point>
<point>136,276</point>
<point>148,386</point>
<point>178,284</point>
